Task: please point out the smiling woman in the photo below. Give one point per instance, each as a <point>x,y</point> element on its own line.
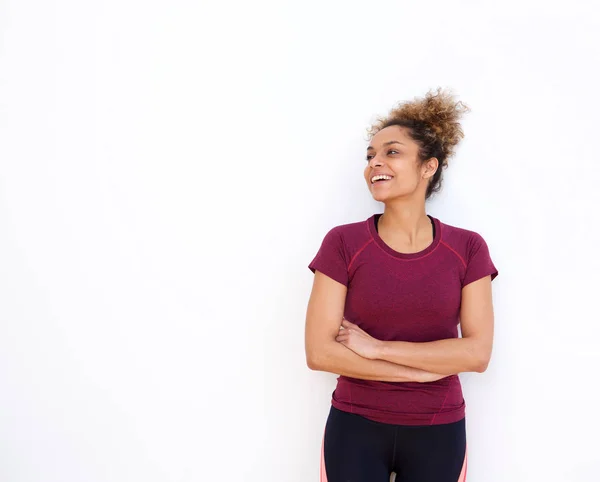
<point>387,297</point>
<point>427,130</point>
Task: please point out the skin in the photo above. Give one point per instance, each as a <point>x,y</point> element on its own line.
<point>405,227</point>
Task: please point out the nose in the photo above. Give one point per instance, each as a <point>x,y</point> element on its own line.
<point>375,161</point>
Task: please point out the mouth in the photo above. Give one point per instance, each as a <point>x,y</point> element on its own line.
<point>380,181</point>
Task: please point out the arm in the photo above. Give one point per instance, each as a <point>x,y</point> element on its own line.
<point>471,353</point>
<point>324,353</point>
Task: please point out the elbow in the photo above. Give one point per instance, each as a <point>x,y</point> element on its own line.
<point>318,356</point>
<point>481,363</point>
<point>479,355</point>
<point>314,361</point>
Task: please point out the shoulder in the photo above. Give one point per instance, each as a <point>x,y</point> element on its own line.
<point>465,242</point>
<point>456,234</point>
<point>357,229</point>
<point>338,248</point>
<point>472,250</point>
<point>348,237</point>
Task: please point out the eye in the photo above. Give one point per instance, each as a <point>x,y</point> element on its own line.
<point>368,158</point>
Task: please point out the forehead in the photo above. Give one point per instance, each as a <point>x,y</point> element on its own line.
<point>391,133</point>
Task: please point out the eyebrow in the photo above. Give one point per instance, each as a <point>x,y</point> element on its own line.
<point>386,144</point>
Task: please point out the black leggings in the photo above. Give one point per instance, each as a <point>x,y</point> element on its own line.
<point>356,449</point>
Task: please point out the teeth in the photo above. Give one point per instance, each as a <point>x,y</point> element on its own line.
<point>381,176</point>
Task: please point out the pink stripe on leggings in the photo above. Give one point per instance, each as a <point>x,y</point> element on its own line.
<point>463,473</point>
<point>323,473</point>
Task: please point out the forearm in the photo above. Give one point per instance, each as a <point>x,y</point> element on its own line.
<point>336,358</point>
<point>447,357</point>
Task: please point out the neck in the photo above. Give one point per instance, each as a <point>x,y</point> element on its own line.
<point>410,225</point>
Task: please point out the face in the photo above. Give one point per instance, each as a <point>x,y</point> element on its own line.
<point>392,152</point>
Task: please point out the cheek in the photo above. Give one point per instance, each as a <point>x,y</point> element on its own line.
<point>406,178</point>
<point>408,172</point>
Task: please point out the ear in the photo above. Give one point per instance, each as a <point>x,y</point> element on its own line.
<point>430,167</point>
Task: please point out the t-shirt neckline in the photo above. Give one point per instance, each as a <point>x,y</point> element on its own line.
<point>397,254</point>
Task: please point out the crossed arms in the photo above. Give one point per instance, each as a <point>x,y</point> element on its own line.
<point>339,346</point>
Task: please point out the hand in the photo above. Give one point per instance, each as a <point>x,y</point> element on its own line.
<point>357,340</point>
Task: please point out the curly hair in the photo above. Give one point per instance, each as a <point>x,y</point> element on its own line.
<point>432,122</point>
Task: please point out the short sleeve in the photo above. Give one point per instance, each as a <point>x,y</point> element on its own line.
<point>479,261</point>
<point>331,257</point>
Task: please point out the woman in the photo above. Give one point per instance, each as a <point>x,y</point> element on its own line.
<point>387,297</point>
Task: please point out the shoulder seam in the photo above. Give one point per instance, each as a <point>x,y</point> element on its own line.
<point>358,252</point>
<point>454,251</point>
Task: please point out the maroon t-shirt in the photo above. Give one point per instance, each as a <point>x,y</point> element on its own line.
<point>411,297</point>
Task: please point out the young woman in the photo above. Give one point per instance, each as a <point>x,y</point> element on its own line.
<point>388,295</point>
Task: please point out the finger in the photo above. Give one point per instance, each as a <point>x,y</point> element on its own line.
<point>359,330</point>
<point>356,328</point>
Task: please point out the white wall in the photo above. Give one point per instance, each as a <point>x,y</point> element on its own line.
<point>168,170</point>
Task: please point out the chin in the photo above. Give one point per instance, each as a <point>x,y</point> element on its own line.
<point>379,197</point>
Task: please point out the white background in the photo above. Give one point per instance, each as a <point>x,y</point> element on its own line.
<point>168,171</point>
